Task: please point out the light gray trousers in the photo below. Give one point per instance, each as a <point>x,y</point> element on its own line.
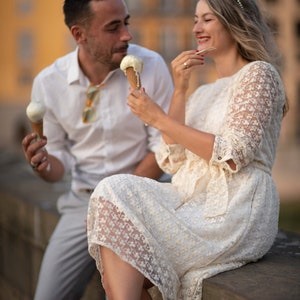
<point>67,266</point>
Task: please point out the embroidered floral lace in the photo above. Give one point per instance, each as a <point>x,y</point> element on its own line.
<point>211,218</point>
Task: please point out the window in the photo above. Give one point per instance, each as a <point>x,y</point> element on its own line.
<point>25,56</point>
<point>271,1</point>
<point>298,113</point>
<point>25,47</point>
<point>169,43</point>
<point>169,6</point>
<point>24,7</point>
<point>134,5</point>
<point>189,6</point>
<point>297,41</point>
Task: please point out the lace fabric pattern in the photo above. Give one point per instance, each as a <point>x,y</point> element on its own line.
<point>210,218</point>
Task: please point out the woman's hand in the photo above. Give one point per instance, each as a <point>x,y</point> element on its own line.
<point>144,107</point>
<point>182,67</point>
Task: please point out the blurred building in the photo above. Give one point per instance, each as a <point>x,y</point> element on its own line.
<point>285,19</point>
<point>33,35</point>
<point>166,26</point>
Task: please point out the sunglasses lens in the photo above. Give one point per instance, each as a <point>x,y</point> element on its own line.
<point>88,115</point>
<point>92,92</point>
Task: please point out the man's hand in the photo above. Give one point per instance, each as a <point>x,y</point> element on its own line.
<point>44,165</point>
<point>35,152</point>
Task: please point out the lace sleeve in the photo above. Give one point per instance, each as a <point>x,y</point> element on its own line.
<point>170,157</point>
<point>249,114</point>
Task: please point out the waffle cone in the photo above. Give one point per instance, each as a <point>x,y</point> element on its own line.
<point>133,78</point>
<point>37,128</point>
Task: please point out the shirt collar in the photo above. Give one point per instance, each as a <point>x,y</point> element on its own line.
<point>75,73</point>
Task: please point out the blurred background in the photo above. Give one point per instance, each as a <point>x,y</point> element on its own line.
<point>33,35</point>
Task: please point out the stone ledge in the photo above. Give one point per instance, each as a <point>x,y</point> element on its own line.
<point>24,232</point>
<point>28,216</point>
<point>275,277</point>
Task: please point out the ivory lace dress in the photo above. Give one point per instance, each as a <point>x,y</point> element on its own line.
<point>210,218</point>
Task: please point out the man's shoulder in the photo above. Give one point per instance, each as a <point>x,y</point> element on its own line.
<point>60,65</point>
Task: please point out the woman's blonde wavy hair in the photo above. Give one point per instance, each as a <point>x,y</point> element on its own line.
<point>249,29</point>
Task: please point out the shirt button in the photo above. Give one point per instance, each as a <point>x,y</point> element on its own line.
<point>219,157</point>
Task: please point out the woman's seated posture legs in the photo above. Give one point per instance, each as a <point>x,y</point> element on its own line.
<point>121,281</point>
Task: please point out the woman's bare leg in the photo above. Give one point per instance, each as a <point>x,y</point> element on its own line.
<point>121,281</point>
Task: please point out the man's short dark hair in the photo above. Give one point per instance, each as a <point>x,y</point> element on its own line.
<point>76,11</point>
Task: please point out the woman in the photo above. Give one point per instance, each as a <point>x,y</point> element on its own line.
<point>221,209</point>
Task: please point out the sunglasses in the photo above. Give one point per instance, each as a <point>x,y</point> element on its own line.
<point>89,113</point>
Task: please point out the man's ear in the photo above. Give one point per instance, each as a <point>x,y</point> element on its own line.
<point>78,33</point>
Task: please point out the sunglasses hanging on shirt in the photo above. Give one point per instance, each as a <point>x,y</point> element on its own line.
<point>89,113</point>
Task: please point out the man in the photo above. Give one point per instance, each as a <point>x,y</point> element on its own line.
<point>92,135</point>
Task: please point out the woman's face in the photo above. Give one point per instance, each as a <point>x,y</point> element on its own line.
<point>209,31</point>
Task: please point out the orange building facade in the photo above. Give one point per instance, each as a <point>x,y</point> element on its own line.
<point>33,35</point>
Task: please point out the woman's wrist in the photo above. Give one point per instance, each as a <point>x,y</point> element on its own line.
<point>179,93</point>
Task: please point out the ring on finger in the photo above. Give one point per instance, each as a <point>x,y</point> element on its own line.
<point>186,65</point>
<point>33,165</point>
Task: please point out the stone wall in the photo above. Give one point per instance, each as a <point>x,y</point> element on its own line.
<point>28,217</point>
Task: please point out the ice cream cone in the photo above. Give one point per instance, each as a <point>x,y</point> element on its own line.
<point>133,78</point>
<point>37,127</point>
<point>132,66</point>
<point>35,112</point>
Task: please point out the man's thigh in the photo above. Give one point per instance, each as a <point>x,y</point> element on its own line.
<point>67,266</point>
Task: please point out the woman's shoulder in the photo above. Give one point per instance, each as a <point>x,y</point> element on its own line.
<point>259,72</point>
<point>259,68</point>
<point>259,76</point>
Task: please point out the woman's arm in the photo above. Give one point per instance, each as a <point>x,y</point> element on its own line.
<point>174,131</point>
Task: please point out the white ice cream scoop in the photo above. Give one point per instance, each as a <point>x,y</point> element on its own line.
<point>35,112</point>
<point>132,66</point>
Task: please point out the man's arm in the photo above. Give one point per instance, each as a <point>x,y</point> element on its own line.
<point>148,167</point>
